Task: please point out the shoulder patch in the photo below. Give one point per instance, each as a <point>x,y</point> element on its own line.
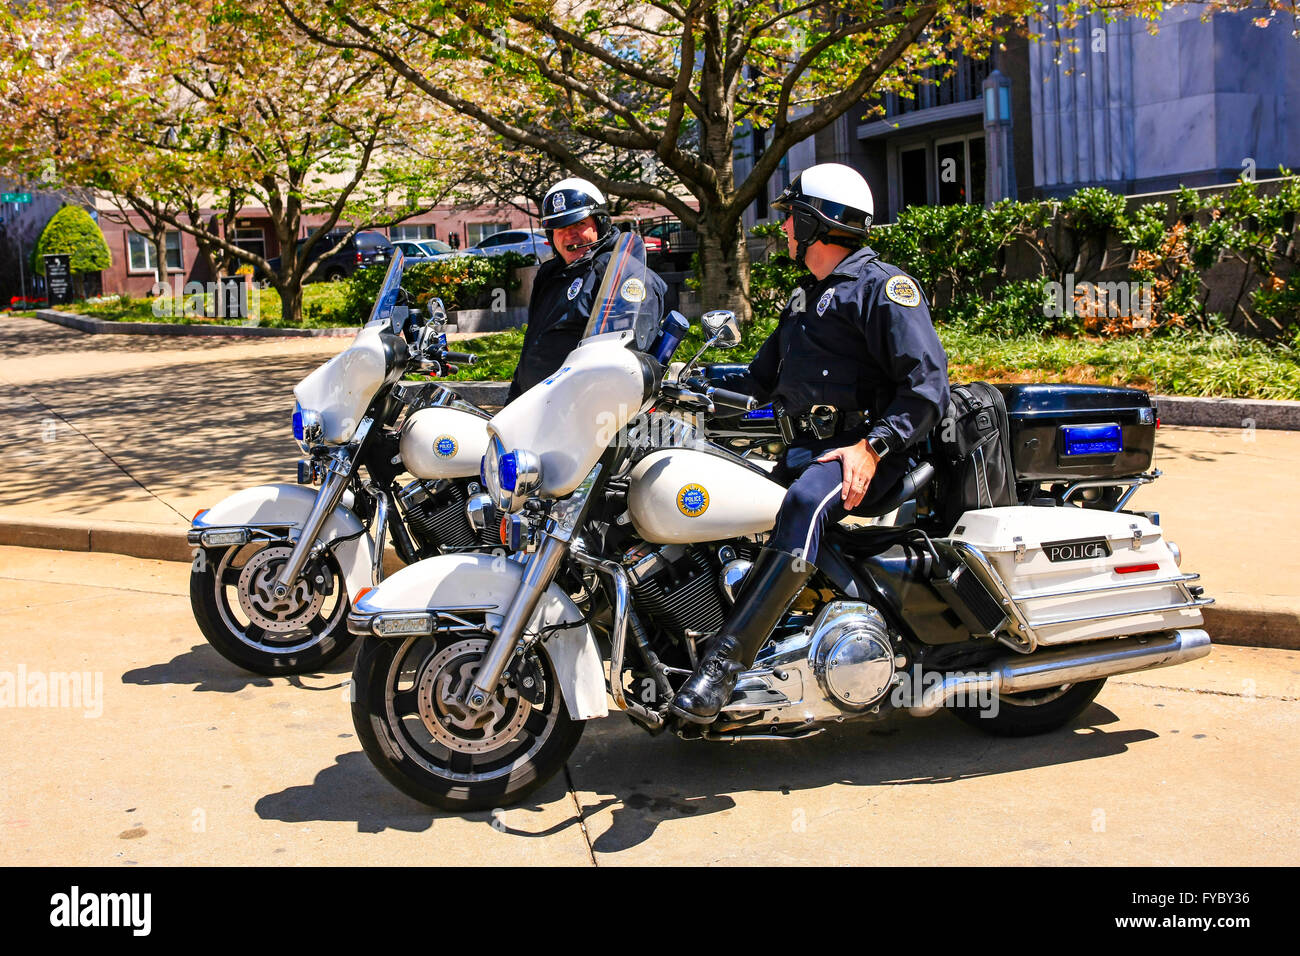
<point>903,290</point>
<point>824,302</point>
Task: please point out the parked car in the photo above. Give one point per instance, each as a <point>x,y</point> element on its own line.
<point>362,250</point>
<point>676,243</point>
<point>412,249</point>
<point>526,242</point>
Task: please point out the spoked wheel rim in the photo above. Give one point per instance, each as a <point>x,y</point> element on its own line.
<point>444,738</point>
<point>257,619</point>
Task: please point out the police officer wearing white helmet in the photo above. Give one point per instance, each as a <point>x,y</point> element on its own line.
<point>857,376</point>
<point>578,227</point>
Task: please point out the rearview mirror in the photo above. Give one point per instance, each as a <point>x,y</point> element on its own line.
<point>722,325</point>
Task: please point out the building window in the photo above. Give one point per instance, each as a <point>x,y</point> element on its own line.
<point>959,170</point>
<point>251,240</point>
<point>413,233</point>
<point>476,232</point>
<point>142,258</point>
<point>912,177</point>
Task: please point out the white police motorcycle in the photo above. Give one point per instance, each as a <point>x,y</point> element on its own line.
<point>477,673</point>
<point>274,565</point>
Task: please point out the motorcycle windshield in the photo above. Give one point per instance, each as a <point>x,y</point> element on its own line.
<point>622,300</point>
<point>386,298</point>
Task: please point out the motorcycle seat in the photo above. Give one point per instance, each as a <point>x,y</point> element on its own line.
<point>905,489</point>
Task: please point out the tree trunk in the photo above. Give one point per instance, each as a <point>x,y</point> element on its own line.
<point>724,266</point>
<point>290,301</point>
<point>159,238</point>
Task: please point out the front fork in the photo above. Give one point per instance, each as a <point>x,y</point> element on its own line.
<point>566,518</point>
<point>338,472</point>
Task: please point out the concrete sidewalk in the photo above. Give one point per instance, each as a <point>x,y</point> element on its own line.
<point>116,441</point>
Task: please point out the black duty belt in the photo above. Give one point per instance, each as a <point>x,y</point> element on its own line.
<point>820,421</point>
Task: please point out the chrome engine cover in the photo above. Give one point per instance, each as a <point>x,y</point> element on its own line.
<point>840,666</point>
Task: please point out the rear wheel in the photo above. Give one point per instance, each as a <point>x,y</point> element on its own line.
<point>230,592</point>
<point>433,749</point>
<point>1032,712</point>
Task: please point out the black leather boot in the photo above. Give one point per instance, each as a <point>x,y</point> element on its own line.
<point>774,581</point>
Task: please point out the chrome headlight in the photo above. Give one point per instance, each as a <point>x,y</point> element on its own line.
<point>510,476</point>
<point>307,427</point>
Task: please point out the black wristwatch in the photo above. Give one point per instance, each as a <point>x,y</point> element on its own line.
<point>878,444</point>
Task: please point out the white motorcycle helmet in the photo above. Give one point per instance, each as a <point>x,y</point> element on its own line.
<point>573,200</point>
<point>830,203</point>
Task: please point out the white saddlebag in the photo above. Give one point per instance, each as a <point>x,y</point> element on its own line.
<point>1078,574</point>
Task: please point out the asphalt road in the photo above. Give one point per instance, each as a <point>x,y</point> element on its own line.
<point>172,756</point>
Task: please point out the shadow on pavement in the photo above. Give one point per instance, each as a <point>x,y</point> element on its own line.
<point>678,779</point>
<point>353,791</point>
<point>209,671</point>
<point>175,430</point>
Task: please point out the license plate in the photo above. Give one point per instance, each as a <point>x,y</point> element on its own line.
<point>1077,440</point>
<point>1078,549</point>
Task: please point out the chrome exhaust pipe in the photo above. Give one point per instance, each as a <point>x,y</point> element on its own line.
<point>1069,665</point>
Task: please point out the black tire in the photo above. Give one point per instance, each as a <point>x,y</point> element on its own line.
<point>335,275</point>
<point>1033,712</point>
<point>321,636</point>
<point>396,737</point>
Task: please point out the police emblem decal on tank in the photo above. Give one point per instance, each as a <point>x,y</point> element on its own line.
<point>692,500</point>
<point>633,290</point>
<point>444,446</point>
<point>903,290</point>
<point>824,302</point>
<point>574,288</point>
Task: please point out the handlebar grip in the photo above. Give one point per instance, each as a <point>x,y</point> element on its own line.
<point>720,396</point>
<point>459,358</point>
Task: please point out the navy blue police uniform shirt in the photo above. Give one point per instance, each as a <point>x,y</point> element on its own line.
<point>559,307</point>
<point>863,341</point>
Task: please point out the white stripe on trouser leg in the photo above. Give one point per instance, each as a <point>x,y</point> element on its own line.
<point>807,542</point>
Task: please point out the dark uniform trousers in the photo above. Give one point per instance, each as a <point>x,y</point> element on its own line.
<point>860,340</point>
<point>814,499</point>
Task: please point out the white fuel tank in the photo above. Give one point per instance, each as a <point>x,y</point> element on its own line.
<point>678,496</point>
<point>341,390</point>
<point>443,443</point>
<point>569,419</point>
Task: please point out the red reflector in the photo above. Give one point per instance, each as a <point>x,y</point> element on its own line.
<point>199,514</point>
<point>1134,568</point>
<point>1157,423</point>
<point>362,593</point>
<point>358,258</point>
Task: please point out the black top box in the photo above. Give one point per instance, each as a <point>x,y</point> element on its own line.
<point>1077,432</point>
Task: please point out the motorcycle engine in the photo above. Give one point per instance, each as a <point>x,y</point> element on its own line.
<point>436,514</point>
<point>677,588</point>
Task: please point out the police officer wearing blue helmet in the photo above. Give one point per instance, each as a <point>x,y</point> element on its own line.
<point>856,376</point>
<point>578,227</point>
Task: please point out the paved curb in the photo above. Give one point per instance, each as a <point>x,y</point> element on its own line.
<point>1240,626</point>
<point>84,323</point>
<point>1227,412</point>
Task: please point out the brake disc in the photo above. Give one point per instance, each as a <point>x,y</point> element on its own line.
<point>449,673</point>
<point>257,593</point>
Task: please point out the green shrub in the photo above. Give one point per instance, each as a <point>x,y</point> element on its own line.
<point>462,282</point>
<point>72,232</point>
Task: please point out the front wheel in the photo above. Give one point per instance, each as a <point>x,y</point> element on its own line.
<point>230,592</point>
<point>1032,712</point>
<point>430,747</point>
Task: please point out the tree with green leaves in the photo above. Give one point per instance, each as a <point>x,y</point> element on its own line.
<point>672,81</point>
<point>186,114</point>
<point>73,233</point>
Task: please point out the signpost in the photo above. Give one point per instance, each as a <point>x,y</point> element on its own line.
<point>58,278</point>
<point>22,279</point>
